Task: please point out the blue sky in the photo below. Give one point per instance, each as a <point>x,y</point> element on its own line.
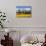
<point>23,7</point>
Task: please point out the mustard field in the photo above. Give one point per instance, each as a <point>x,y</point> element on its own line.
<point>24,15</point>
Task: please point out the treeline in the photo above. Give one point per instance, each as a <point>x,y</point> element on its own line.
<point>23,12</point>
